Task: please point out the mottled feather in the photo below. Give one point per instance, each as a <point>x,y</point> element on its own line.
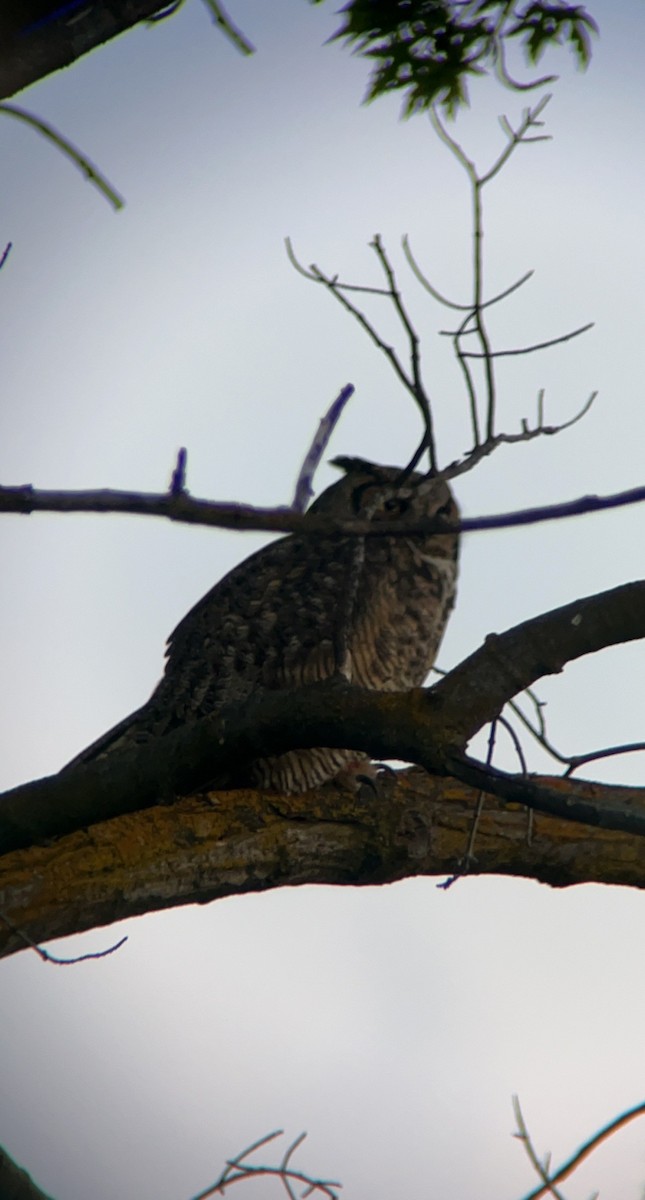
<point>305,608</point>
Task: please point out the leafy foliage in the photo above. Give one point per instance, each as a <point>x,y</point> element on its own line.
<point>429,48</point>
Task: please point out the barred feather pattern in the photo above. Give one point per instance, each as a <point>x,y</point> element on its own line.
<point>305,608</point>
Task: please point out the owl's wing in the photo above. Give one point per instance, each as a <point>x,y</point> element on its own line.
<point>270,623</point>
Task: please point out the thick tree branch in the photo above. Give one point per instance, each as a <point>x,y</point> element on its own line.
<point>509,662</point>
<point>15,1183</point>
<point>203,848</point>
<point>429,727</point>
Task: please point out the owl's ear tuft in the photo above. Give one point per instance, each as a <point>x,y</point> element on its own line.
<point>349,464</point>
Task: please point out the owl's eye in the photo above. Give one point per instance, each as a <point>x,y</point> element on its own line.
<point>396,505</point>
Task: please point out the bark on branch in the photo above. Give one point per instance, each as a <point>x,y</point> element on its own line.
<point>428,727</point>
<point>125,844</point>
<point>203,848</point>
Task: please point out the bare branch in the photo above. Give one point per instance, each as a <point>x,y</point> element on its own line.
<point>186,509</point>
<point>314,276</point>
<point>337,290</point>
<point>476,310</point>
<point>425,282</point>
<point>483,449</point>
<point>504,77</point>
<point>178,478</point>
<point>54,958</point>
<point>572,761</point>
<point>226,26</point>
<point>508,663</point>
<point>304,490</point>
<point>540,1168</point>
<point>579,760</point>
<point>565,337</point>
<point>411,381</point>
<point>585,1150</point>
<point>80,160</point>
<point>239,1168</point>
<point>420,395</point>
<point>516,137</point>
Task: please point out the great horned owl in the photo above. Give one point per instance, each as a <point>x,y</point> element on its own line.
<point>305,608</point>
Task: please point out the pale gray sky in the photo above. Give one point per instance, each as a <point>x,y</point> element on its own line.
<point>392,1023</point>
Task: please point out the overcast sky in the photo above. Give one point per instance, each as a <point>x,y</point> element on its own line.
<point>392,1023</point>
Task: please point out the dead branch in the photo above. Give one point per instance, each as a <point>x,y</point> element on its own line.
<point>239,1169</point>
<point>550,1179</point>
<point>185,509</point>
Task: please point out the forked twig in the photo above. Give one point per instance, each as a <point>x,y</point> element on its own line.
<point>549,1181</point>
<point>239,1169</point>
<point>411,379</point>
<point>478,182</point>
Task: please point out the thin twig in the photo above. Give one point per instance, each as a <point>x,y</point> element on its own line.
<point>540,1168</point>
<point>238,1169</point>
<point>315,277</point>
<point>565,337</point>
<point>585,1150</point>
<point>504,77</point>
<point>512,733</point>
<point>46,956</point>
<point>483,449</point>
<point>415,359</point>
<point>304,489</point>
<point>225,24</point>
<point>77,157</point>
<point>178,478</point>
<point>579,760</point>
<point>412,382</point>
<point>572,761</point>
<point>476,310</point>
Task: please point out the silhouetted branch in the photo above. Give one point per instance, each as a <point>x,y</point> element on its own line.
<point>572,761</point>
<point>178,478</point>
<point>79,159</point>
<point>239,1169</point>
<point>226,26</point>
<point>185,509</point>
<point>54,958</point>
<point>15,1183</point>
<point>304,489</point>
<point>428,727</point>
<point>565,337</point>
<point>411,380</point>
<point>550,1179</point>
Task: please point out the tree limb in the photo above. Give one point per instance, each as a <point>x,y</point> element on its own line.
<point>190,510</point>
<point>507,663</point>
<point>203,848</point>
<point>430,727</point>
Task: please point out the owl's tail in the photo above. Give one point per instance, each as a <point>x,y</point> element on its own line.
<point>123,735</point>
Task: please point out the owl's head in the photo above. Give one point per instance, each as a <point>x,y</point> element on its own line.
<point>385,493</point>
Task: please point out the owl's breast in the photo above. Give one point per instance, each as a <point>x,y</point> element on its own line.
<point>400,616</point>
